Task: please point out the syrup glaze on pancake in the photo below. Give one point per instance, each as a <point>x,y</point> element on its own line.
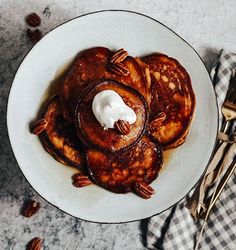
<point>93,134</point>
<point>119,172</point>
<point>92,65</point>
<point>173,97</point>
<point>59,138</point>
<point>156,87</point>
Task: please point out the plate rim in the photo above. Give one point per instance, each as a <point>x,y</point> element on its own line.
<point>91,13</point>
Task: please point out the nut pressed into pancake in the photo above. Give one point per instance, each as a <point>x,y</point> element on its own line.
<point>90,130</point>
<point>173,100</point>
<point>92,65</point>
<point>119,172</point>
<point>59,138</point>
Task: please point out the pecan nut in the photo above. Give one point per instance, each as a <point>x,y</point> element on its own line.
<point>118,69</point>
<point>80,180</point>
<point>34,244</point>
<point>119,56</point>
<point>31,209</point>
<point>39,126</point>
<point>33,20</point>
<point>159,118</point>
<point>123,127</point>
<point>34,35</point>
<point>143,190</point>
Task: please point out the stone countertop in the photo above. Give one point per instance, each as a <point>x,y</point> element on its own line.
<point>207,25</point>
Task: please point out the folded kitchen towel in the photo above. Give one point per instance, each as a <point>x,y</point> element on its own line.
<point>175,228</point>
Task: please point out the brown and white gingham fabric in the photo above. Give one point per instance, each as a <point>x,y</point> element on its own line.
<point>175,228</point>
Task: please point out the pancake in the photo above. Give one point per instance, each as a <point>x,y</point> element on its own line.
<point>172,102</point>
<point>94,64</point>
<point>119,172</point>
<point>93,134</point>
<point>59,138</point>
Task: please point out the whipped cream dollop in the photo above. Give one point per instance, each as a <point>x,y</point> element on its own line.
<point>108,107</point>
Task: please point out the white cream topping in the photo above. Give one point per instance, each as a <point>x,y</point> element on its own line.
<point>108,107</point>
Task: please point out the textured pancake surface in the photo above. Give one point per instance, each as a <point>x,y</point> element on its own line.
<point>92,65</point>
<point>173,100</point>
<point>119,172</point>
<point>59,138</point>
<point>93,134</point>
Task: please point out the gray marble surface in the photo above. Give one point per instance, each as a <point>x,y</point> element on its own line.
<point>207,25</point>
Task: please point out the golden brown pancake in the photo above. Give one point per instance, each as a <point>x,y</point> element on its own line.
<point>59,138</point>
<point>173,100</point>
<point>90,130</point>
<point>119,172</point>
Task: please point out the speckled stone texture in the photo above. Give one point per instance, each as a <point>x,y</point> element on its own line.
<point>207,25</point>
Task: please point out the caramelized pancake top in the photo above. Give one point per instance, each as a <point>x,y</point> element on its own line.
<point>92,65</point>
<point>59,138</point>
<point>119,172</point>
<point>93,134</point>
<point>173,100</point>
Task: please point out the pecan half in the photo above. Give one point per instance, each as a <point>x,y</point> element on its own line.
<point>31,209</point>
<point>118,69</point>
<point>39,126</point>
<point>80,180</point>
<point>34,35</point>
<point>143,190</point>
<point>119,56</point>
<point>122,127</point>
<point>33,20</point>
<point>34,244</point>
<point>159,118</point>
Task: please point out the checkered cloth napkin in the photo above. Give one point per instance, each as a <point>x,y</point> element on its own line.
<point>175,228</point>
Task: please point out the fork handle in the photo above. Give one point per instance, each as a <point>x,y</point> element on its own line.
<point>225,127</point>
<point>223,182</point>
<point>215,196</point>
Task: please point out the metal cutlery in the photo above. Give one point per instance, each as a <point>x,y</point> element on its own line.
<point>229,112</point>
<point>229,106</point>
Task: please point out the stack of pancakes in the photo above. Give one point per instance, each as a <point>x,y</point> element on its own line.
<point>156,87</point>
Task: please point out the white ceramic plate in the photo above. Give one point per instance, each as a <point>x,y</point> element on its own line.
<point>139,35</point>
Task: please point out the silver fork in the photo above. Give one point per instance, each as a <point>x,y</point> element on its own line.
<point>229,112</point>
<point>229,106</point>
